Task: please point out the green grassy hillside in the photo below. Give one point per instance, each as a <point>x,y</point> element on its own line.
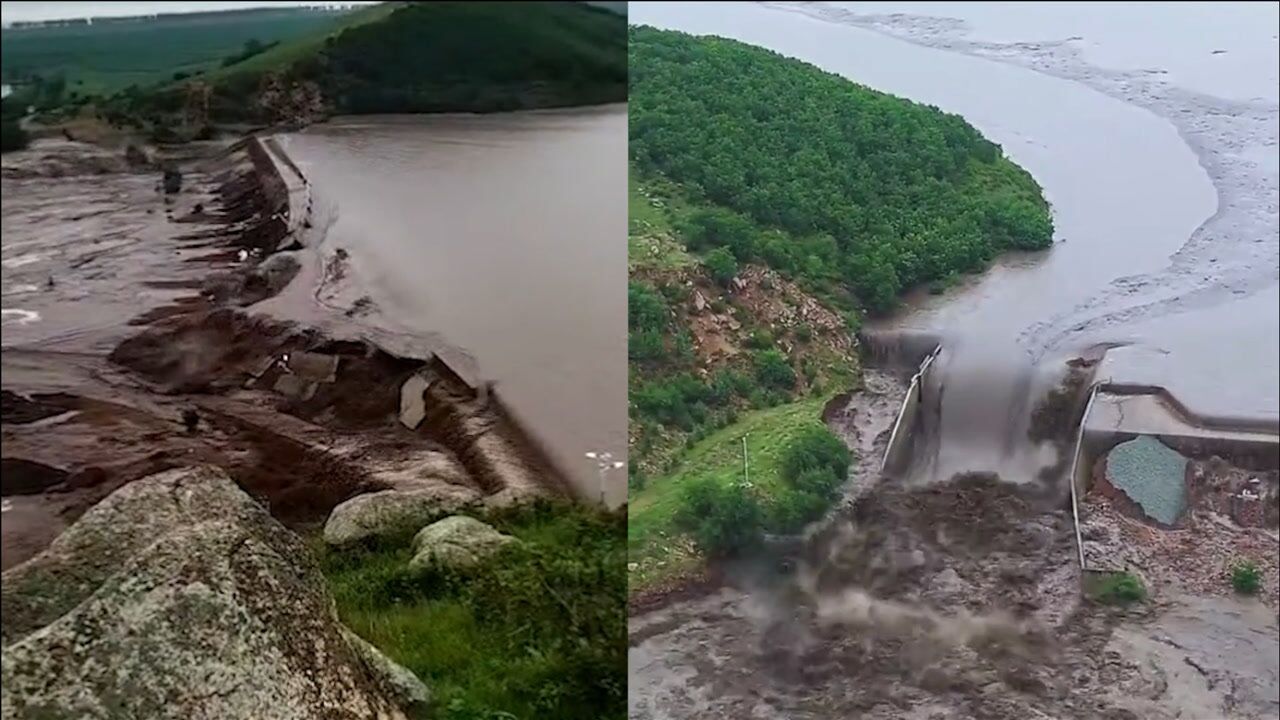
<point>108,56</point>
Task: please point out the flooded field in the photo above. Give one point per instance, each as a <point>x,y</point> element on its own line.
<point>498,237</point>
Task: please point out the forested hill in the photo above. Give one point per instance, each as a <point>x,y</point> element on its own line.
<point>447,56</point>
<point>409,58</point>
<point>857,193</point>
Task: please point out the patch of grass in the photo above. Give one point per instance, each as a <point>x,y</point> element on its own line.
<point>1246,578</point>
<point>539,630</point>
<point>650,242</point>
<point>654,542</point>
<point>1120,589</point>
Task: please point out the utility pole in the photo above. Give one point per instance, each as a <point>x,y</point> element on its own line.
<point>746,469</point>
<point>604,463</point>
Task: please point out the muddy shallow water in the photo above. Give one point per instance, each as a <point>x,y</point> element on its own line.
<point>500,236</point>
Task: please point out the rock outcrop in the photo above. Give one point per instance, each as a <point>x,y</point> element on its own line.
<point>378,514</point>
<point>456,542</point>
<point>179,597</point>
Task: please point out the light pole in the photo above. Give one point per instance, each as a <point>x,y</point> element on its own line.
<point>746,469</point>
<point>604,463</point>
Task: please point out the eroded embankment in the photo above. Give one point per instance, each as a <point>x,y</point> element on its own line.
<point>959,599</point>
<point>300,420</point>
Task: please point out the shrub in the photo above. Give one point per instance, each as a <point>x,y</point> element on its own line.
<point>792,511</point>
<point>1246,578</point>
<point>773,370</point>
<point>760,340</point>
<point>804,333</point>
<point>722,265</point>
<point>815,449</point>
<point>646,309</point>
<point>1121,589</point>
<point>645,346</point>
<point>853,321</point>
<point>723,519</point>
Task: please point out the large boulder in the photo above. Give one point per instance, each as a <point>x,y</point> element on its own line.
<point>456,542</point>
<point>378,514</point>
<point>179,597</point>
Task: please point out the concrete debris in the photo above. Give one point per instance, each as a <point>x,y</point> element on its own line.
<point>295,387</point>
<point>413,404</point>
<point>314,366</point>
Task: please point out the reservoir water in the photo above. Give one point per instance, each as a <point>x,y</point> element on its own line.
<point>1153,131</point>
<point>502,236</point>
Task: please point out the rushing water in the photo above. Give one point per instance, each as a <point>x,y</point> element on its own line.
<point>1153,130</point>
<point>1164,193</point>
<point>503,235</point>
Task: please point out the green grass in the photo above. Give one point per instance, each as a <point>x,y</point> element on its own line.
<point>537,631</point>
<point>653,543</point>
<point>1119,589</point>
<point>106,57</point>
<point>1246,578</point>
<point>285,54</point>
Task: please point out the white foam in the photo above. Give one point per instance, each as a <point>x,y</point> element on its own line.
<point>19,261</point>
<point>18,317</point>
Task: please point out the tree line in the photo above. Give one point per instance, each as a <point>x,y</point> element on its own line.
<point>858,193</point>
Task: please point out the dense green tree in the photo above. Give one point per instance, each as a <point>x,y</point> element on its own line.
<point>850,189</point>
<point>722,266</point>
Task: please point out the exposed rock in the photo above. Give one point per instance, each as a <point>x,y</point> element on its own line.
<point>179,597</point>
<point>405,687</point>
<point>699,301</point>
<point>456,542</point>
<point>388,511</point>
<point>515,495</point>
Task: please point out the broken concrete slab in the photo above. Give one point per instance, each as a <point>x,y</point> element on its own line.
<point>295,387</point>
<point>314,366</point>
<point>413,404</point>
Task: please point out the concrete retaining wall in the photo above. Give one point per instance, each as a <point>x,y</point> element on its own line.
<point>898,452</point>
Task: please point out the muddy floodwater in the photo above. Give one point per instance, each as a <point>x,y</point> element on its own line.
<point>500,236</point>
<point>1153,131</point>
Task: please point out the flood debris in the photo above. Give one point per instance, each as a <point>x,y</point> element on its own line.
<point>304,422</point>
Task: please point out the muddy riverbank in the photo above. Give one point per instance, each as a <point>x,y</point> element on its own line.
<point>137,351</point>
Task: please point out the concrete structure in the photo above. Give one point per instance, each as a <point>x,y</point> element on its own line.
<point>897,451</point>
<point>1119,413</point>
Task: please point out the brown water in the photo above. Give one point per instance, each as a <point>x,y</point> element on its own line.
<point>1153,130</point>
<point>1164,196</point>
<point>502,236</point>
